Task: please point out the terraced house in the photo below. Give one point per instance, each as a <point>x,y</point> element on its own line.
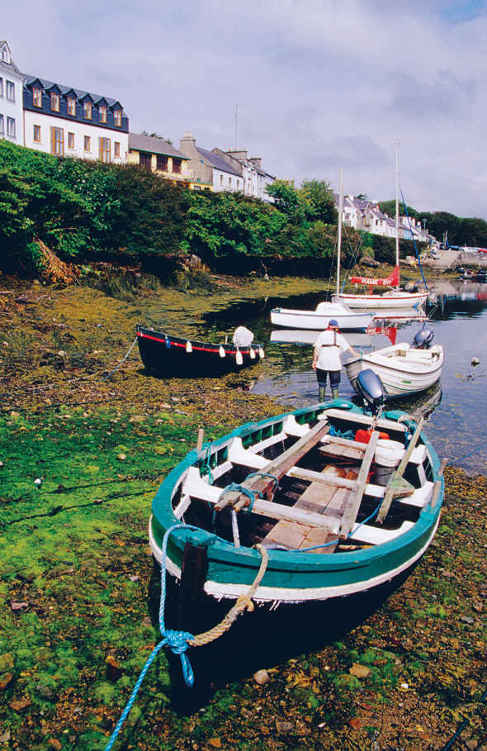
<point>155,154</point>
<point>67,121</point>
<point>11,80</point>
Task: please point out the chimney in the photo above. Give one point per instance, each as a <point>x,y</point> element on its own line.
<point>187,144</point>
<point>239,154</point>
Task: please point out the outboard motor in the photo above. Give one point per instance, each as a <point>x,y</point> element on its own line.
<point>423,339</point>
<point>370,388</point>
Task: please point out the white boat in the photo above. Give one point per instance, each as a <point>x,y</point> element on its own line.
<point>318,319</point>
<point>403,370</point>
<point>308,337</point>
<point>395,298</point>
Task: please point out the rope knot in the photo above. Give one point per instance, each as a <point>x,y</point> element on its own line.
<point>177,641</point>
<point>244,602</point>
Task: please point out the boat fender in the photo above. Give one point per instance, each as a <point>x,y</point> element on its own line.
<point>252,353</point>
<point>238,357</point>
<point>221,352</point>
<point>189,346</point>
<point>168,342</point>
<point>261,353</point>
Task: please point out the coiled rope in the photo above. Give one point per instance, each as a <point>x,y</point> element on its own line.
<point>179,641</point>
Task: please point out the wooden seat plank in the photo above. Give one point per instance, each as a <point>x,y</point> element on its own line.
<point>278,467</point>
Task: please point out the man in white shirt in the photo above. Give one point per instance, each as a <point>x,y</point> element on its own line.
<point>326,358</point>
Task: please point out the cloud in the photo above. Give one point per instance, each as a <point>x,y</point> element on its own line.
<point>320,84</point>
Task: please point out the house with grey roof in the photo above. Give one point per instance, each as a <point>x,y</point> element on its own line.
<point>68,121</point>
<point>367,216</point>
<point>255,179</point>
<point>11,111</point>
<point>157,155</point>
<point>209,169</point>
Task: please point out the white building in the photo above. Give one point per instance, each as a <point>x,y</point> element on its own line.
<point>11,81</point>
<point>64,121</point>
<point>254,177</point>
<point>367,216</point>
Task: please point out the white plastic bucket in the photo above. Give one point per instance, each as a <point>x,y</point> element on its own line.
<point>388,453</point>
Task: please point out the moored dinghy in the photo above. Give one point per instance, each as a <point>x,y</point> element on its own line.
<point>171,355</point>
<point>403,369</point>
<point>300,485</point>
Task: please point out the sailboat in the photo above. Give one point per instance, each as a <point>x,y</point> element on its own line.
<point>318,319</point>
<point>395,298</point>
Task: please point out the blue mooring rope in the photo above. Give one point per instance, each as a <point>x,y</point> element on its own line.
<point>177,641</point>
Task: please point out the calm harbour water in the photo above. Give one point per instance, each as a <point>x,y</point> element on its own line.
<point>456,409</point>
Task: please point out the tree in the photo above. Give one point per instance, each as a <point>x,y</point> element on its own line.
<point>287,199</point>
<point>319,201</point>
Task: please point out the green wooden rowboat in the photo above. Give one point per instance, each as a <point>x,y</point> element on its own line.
<point>318,500</point>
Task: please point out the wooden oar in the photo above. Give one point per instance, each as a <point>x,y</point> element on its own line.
<point>397,476</point>
<point>276,468</point>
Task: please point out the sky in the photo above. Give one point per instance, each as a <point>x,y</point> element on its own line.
<point>310,86</point>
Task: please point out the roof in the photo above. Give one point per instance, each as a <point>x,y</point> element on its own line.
<point>154,145</point>
<point>218,162</point>
<point>80,93</point>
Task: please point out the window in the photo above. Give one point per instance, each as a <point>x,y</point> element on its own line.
<point>6,56</point>
<point>11,127</point>
<point>10,91</point>
<point>37,97</point>
<point>2,126</point>
<point>55,102</point>
<point>221,179</point>
<point>229,180</point>
<point>57,141</point>
<point>145,160</point>
<point>88,110</point>
<point>87,143</point>
<point>116,149</point>
<point>176,166</point>
<point>71,106</point>
<point>37,133</point>
<point>1,86</point>
<point>70,140</point>
<point>103,113</point>
<point>117,118</point>
<point>105,150</point>
<point>162,163</point>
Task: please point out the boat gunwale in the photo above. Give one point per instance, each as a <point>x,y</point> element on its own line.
<point>369,358</point>
<point>145,333</point>
<point>224,552</point>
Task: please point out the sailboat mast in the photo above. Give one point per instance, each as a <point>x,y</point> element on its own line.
<point>339,236</point>
<point>397,205</point>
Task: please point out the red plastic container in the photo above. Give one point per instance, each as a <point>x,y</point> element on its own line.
<point>363,436</point>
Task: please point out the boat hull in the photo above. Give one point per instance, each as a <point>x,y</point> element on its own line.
<point>291,576</point>
<point>398,382</point>
<point>169,355</point>
<point>387,301</point>
<point>302,319</point>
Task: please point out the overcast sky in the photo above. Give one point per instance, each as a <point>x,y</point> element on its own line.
<point>319,84</point>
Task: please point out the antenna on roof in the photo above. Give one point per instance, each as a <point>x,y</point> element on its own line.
<point>236,127</point>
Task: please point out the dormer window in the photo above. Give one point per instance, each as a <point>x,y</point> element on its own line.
<point>55,102</point>
<point>103,113</point>
<point>37,97</point>
<point>71,106</point>
<point>88,110</point>
<point>6,55</point>
<point>117,118</point>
